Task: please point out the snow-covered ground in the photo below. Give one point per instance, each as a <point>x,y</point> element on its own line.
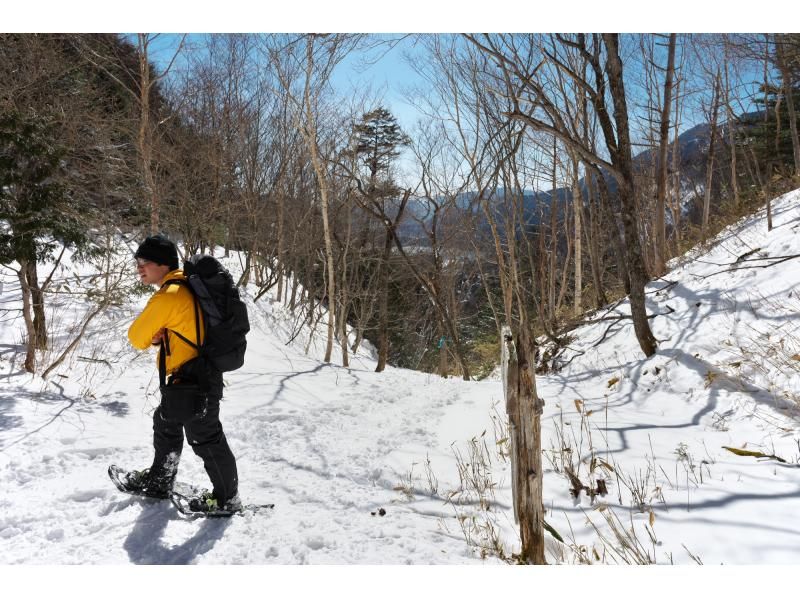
<point>332,446</point>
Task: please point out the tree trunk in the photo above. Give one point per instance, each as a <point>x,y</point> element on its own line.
<point>624,162</point>
<point>769,212</point>
<point>322,181</point>
<point>37,305</point>
<point>661,184</point>
<point>617,242</point>
<point>280,250</point>
<point>676,175</point>
<point>358,340</point>
<point>563,285</point>
<point>731,137</point>
<point>331,287</point>
<point>766,78</point>
<point>551,271</point>
<point>778,103</point>
<point>502,267</point>
<point>30,349</point>
<point>293,298</point>
<point>144,139</point>
<point>345,296</point>
<point>636,274</point>
<point>710,163</point>
<point>593,242</point>
<point>342,320</point>
<point>577,201</point>
<point>383,304</point>
<point>451,332</point>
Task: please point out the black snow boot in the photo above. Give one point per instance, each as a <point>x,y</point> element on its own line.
<point>141,482</point>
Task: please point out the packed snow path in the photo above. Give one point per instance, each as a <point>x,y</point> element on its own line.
<point>318,440</point>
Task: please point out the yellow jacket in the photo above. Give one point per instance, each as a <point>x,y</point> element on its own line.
<point>172,308</point>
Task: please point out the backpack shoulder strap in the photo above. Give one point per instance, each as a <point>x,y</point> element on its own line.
<point>185,283</point>
<point>178,281</point>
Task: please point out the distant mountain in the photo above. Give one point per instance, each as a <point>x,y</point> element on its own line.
<point>692,145</point>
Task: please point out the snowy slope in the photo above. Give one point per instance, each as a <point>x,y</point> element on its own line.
<point>727,373</point>
<point>331,445</point>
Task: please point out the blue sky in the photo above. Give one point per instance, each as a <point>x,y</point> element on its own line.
<point>384,69</point>
<point>387,71</point>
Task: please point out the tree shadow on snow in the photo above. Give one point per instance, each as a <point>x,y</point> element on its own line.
<point>8,421</point>
<point>116,408</point>
<point>286,379</point>
<point>144,544</point>
<point>59,402</point>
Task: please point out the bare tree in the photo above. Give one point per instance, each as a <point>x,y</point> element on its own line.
<point>731,121</point>
<point>676,199</point>
<point>145,81</point>
<point>313,68</point>
<point>663,173</point>
<point>440,188</point>
<point>535,105</point>
<point>714,113</point>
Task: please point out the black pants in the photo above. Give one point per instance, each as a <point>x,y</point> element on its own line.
<point>207,439</point>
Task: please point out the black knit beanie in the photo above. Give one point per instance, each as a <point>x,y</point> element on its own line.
<point>160,250</point>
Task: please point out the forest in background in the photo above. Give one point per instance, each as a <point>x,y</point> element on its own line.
<point>548,175</point>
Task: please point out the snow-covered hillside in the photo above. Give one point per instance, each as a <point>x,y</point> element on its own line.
<point>404,467</point>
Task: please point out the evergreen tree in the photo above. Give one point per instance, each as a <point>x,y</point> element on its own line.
<point>378,139</point>
<point>37,213</point>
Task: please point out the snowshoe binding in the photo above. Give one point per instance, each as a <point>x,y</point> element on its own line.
<point>140,483</point>
<point>203,504</point>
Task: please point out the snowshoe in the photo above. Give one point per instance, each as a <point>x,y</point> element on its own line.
<point>139,483</point>
<point>203,504</point>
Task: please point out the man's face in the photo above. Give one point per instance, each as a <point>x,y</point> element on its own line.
<point>150,272</point>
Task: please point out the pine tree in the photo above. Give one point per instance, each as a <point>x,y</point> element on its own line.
<point>378,139</point>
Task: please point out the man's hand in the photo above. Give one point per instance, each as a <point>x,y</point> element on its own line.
<point>158,336</point>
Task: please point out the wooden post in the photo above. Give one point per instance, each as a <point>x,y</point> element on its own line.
<point>524,410</point>
<point>509,356</point>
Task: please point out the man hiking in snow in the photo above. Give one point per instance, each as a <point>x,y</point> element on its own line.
<point>190,389</point>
